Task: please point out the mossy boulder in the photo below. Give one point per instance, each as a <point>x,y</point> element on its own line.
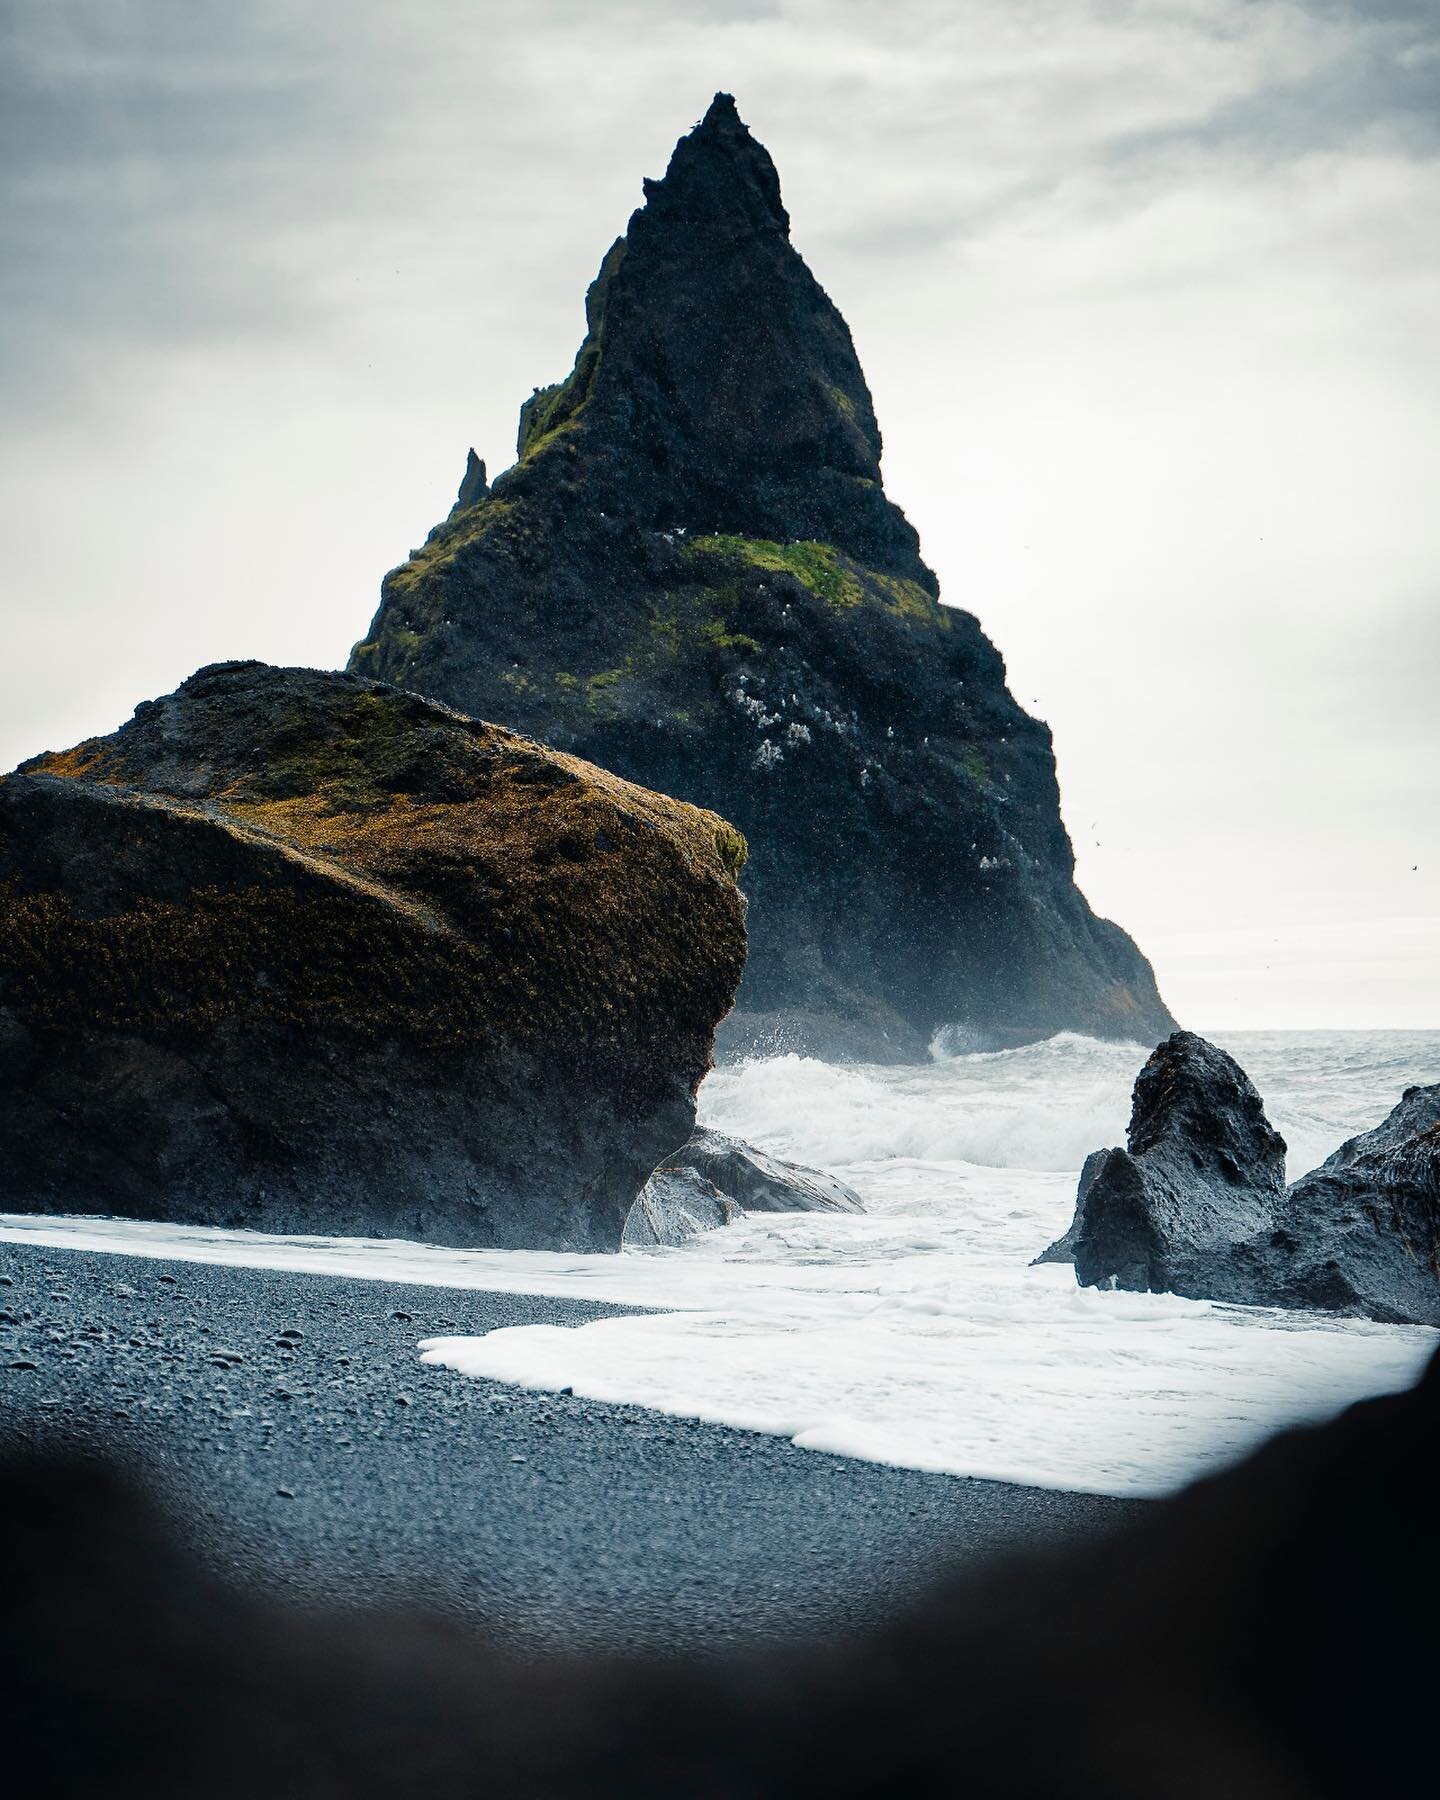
<point>693,576</point>
<point>302,952</point>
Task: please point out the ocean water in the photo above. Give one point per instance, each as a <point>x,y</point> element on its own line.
<point>919,1333</point>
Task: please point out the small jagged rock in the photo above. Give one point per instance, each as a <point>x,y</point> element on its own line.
<point>1362,1232</point>
<point>299,952</point>
<point>758,1182</point>
<point>674,1205</point>
<point>713,1179</point>
<point>1196,1204</point>
<point>1202,1170</point>
<point>693,576</point>
<point>473,487</point>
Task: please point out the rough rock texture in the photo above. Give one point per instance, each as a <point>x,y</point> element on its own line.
<point>676,1203</point>
<point>1197,1203</point>
<point>693,576</point>
<point>1202,1170</point>
<point>1063,1249</point>
<point>762,1183</point>
<point>296,951</point>
<point>1362,1232</point>
<point>712,1179</point>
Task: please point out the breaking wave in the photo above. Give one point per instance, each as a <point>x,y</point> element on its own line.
<point>918,1332</point>
<point>1047,1105</point>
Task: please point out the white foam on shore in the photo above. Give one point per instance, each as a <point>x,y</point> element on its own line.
<point>916,1333</point>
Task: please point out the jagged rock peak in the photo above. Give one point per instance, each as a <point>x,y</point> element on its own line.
<point>473,488</point>
<point>717,388</point>
<point>694,576</point>
<point>718,176</point>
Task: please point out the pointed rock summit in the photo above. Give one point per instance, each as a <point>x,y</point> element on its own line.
<point>692,575</point>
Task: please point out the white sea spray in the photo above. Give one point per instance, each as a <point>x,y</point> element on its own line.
<point>918,1333</point>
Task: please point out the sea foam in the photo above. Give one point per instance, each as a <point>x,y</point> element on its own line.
<point>918,1332</point>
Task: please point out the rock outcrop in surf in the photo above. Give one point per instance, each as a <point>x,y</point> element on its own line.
<point>693,576</point>
<point>1362,1231</point>
<point>1196,1203</point>
<point>1202,1169</point>
<point>300,952</point>
<point>713,1180</point>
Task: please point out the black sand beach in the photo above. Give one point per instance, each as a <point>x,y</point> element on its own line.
<point>344,1471</point>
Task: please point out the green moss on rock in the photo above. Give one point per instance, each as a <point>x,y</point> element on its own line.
<point>830,576</point>
<point>390,868</point>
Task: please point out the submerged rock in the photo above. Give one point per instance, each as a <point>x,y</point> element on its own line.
<point>692,575</point>
<point>713,1179</point>
<point>300,952</point>
<point>1196,1204</point>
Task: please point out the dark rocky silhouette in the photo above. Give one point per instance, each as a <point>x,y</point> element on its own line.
<point>1197,1203</point>
<point>693,576</point>
<point>1362,1232</point>
<point>712,1179</point>
<point>1212,1648</point>
<point>300,952</point>
<point>1202,1170</point>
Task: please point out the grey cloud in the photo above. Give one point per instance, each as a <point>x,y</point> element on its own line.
<point>1374,92</point>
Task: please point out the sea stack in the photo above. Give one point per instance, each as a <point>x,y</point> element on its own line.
<point>693,576</point>
<point>299,952</point>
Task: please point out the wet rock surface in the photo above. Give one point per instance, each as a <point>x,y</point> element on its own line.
<point>674,1205</point>
<point>714,1179</point>
<point>1196,1203</point>
<point>759,1182</point>
<point>1362,1232</point>
<point>1202,1170</point>
<point>299,952</point>
<point>692,575</point>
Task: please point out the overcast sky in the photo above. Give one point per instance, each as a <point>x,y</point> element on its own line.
<point>1147,295</point>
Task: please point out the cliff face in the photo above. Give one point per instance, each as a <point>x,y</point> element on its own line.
<point>692,576</point>
<point>295,951</point>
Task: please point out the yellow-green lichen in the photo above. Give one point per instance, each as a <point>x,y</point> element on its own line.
<point>715,633</point>
<point>467,528</point>
<point>733,850</point>
<point>908,600</point>
<point>382,869</point>
<point>974,764</point>
<point>550,410</point>
<point>830,576</point>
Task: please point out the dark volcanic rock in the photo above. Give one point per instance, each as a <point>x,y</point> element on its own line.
<point>1197,1203</point>
<point>1362,1232</point>
<point>1063,1249</point>
<point>693,576</point>
<point>675,1204</point>
<point>296,951</point>
<point>712,1179</point>
<point>761,1183</point>
<point>1202,1170</point>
